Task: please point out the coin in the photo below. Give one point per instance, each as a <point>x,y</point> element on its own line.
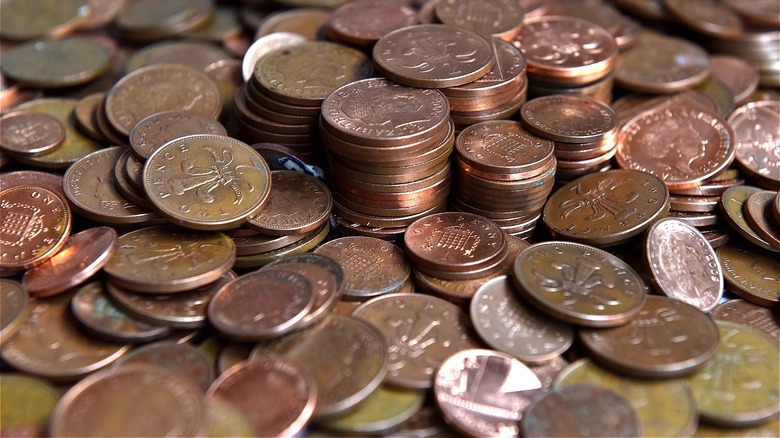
<point>286,390</point>
<point>29,401</point>
<point>502,18</point>
<point>14,301</point>
<point>484,392</point>
<point>750,273</point>
<point>308,243</point>
<point>207,182</point>
<point>579,284</point>
<point>383,411</point>
<point>195,54</point>
<point>30,133</point>
<point>756,13</point>
<point>732,209</point>
<point>86,115</point>
<point>683,265</point>
<point>167,259</point>
<point>707,17</point>
<point>24,20</point>
<point>569,119</point>
<point>148,20</point>
<point>115,399</point>
<point>47,180</point>
<point>759,215</point>
<point>754,316</point>
<point>266,44</point>
<point>226,420</point>
<point>83,255</point>
<point>503,147</point>
<point>362,23</point>
<point>307,18</point>
<point>185,360</point>
<point>757,132</point>
<point>157,129</point>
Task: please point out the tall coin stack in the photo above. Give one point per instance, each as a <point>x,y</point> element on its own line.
<point>388,146</point>
<point>504,173</point>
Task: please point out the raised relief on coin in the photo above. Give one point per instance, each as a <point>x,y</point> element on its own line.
<point>30,133</point>
<point>297,203</point>
<point>571,119</point>
<point>752,315</point>
<point>758,139</point>
<point>733,208</point>
<point>579,284</point>
<point>683,264</point>
<point>207,182</point>
<point>501,18</point>
<point>152,132</point>
<point>502,146</point>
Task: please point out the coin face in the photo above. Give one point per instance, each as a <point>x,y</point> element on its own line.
<point>207,182</point>
<point>30,133</point>
<point>732,207</point>
<point>757,133</point>
<point>502,146</point>
<point>757,317</point>
<point>751,274</point>
<point>152,132</point>
<point>184,359</point>
<point>14,303</point>
<point>570,119</point>
<point>758,212</point>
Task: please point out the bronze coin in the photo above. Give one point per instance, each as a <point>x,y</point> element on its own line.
<point>750,273</point>
<point>251,242</point>
<point>706,17</point>
<point>86,114</point>
<point>83,255</point>
<point>183,359</point>
<point>759,318</point>
<point>308,243</point>
<point>683,265</point>
<point>571,119</point>
<point>307,18</point>
<point>579,284</point>
<point>433,56</point>
<point>630,105</point>
<point>738,74</point>
<point>266,44</point>
<point>757,131</point>
<point>694,204</point>
<point>30,133</point>
<point>23,20</point>
<point>507,73</point>
<point>732,207</point>
<point>153,131</point>
<point>362,23</point>
<point>195,54</point>
<point>501,19</point>
<point>758,213</point>
<point>484,392</point>
<point>47,180</point>
<point>13,312</point>
<point>148,20</point>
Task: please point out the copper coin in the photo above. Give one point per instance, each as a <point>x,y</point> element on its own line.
<point>738,74</point>
<point>26,20</point>
<point>433,56</point>
<point>714,187</point>
<point>14,300</point>
<point>761,13</point>
<point>566,51</point>
<point>251,242</point>
<point>266,44</point>
<point>47,180</point>
<point>261,305</point>
<point>752,274</point>
<point>371,266</point>
<point>207,182</point>
<point>758,213</point>
<point>167,259</point>
<point>308,243</point>
<point>758,318</point>
<point>157,88</point>
<point>706,17</point>
<point>683,265</point>
<point>346,356</point>
<point>757,132</point>
<point>35,224</point>
<point>694,204</point>
<point>732,207</point>
<point>501,19</point>
<point>183,359</point>
<point>123,186</point>
<point>507,72</point>
<point>579,284</point>
<point>83,255</point>
<point>776,207</point>
<point>306,18</point>
<point>571,119</point>
<point>362,23</point>
<point>697,145</point>
<point>485,392</point>
<point>508,324</point>
<point>30,133</point>
<point>285,389</point>
<point>195,54</point>
<point>629,105</point>
<point>111,402</point>
<point>420,332</point>
<point>153,131</point>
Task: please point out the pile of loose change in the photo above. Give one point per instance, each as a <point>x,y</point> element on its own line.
<point>369,218</point>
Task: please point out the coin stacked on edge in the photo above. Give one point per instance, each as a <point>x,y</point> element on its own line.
<point>388,146</point>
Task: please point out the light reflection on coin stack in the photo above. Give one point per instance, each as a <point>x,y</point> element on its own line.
<point>504,173</point>
<point>388,146</point>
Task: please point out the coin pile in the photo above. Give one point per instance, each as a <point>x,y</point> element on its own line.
<point>501,19</point>
<point>362,23</point>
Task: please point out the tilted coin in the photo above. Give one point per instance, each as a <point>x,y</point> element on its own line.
<point>732,207</point>
<point>47,180</point>
<point>420,331</point>
<point>362,23</point>
<point>707,17</point>
<point>28,401</point>
<point>195,54</point>
<point>501,18</point>
<point>484,392</point>
<point>309,242</point>
<point>155,130</point>
<point>683,264</point>
<point>183,359</point>
<point>112,402</point>
<point>757,133</point>
<point>579,284</point>
<point>207,182</point>
<point>250,242</point>
<point>571,119</point>
<point>30,133</point>
<point>758,213</point>
<point>297,204</point>
<point>14,302</point>
<point>383,411</point>
<point>750,273</point>
<point>147,20</point>
<point>752,315</point>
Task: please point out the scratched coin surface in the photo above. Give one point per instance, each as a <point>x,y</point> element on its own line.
<point>157,129</point>
<point>420,332</point>
<point>484,392</point>
<point>207,182</point>
<point>30,133</point>
<point>606,208</point>
<point>738,386</point>
<point>579,284</point>
<point>167,259</point>
<point>683,264</point>
<point>757,135</point>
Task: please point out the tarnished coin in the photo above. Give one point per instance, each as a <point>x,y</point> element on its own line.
<point>50,344</point>
<point>161,87</point>
<point>500,18</point>
<point>483,393</point>
<point>682,145</point>
<point>757,211</point>
<point>195,54</point>
<point>750,273</point>
<point>112,403</point>
<point>362,23</point>
<point>250,242</point>
<point>757,134</point>
<point>12,312</point>
<point>738,386</point>
<point>346,356</point>
<point>181,358</point>
<point>207,182</point>
<point>571,119</point>
<point>297,204</point>
<point>309,242</point>
<point>152,132</point>
<point>683,264</point>
<point>579,284</point>
<point>166,259</point>
<point>24,20</point>
<point>732,207</point>
<point>306,18</point>
<point>508,324</point>
<point>148,20</point>
<point>371,266</point>
<point>580,411</point>
<point>433,56</point>
<point>383,411</point>
<point>83,255</point>
<point>666,338</point>
<point>754,316</point>
<point>286,390</point>
<point>35,222</point>
<point>420,331</point>
<point>664,407</point>
<point>225,419</point>
<point>606,208</point>
<point>27,401</point>
<point>30,133</point>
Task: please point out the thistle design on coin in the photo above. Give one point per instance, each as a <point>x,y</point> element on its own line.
<point>601,201</point>
<point>578,283</point>
<point>204,180</point>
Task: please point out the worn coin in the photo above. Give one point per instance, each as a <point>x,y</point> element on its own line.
<point>309,242</point>
<point>383,411</point>
<point>750,273</point>
<point>30,133</point>
<point>732,207</point>
<point>27,402</point>
<point>149,20</point>
<point>297,204</point>
<point>752,315</point>
<point>24,20</point>
<point>759,215</point>
<point>195,54</point>
<point>157,129</point>
<point>14,302</point>
<point>181,358</point>
<point>362,23</point>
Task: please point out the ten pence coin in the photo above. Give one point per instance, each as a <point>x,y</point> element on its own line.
<point>207,182</point>
<point>579,284</point>
<point>30,133</point>
<point>154,131</point>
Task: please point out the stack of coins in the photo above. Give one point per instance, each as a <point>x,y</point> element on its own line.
<point>568,55</point>
<point>504,173</point>
<point>388,146</point>
<point>583,130</point>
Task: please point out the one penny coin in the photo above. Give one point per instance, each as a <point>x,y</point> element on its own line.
<point>757,134</point>
<point>152,132</point>
<point>30,133</point>
<point>570,119</point>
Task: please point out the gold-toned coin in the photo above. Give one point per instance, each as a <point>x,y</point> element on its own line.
<point>195,54</point>
<point>28,19</point>
<point>167,259</point>
<point>751,273</point>
<point>154,131</point>
<point>207,182</point>
<point>226,420</point>
<point>27,401</point>
<point>14,300</point>
<point>384,410</point>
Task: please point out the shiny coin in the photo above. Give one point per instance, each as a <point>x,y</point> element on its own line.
<point>183,359</point>
<point>570,119</point>
<point>207,182</point>
<point>47,180</point>
<point>14,302</point>
<point>285,389</point>
<point>754,316</point>
<point>420,332</point>
<point>112,402</point>
<point>732,208</point>
<point>83,255</point>
<point>383,411</point>
<point>738,386</point>
<point>750,273</point>
<point>152,132</point>
<point>297,204</point>
<point>416,56</point>
<point>503,147</point>
<point>579,284</point>
<point>484,392</point>
<point>507,73</point>
<point>757,210</point>
<point>166,259</point>
<point>683,265</point>
<point>30,133</point>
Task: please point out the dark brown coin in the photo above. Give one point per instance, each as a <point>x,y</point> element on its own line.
<point>579,284</point>
<point>750,273</point>
<point>150,133</point>
<point>183,359</point>
<point>758,213</point>
<point>30,133</point>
